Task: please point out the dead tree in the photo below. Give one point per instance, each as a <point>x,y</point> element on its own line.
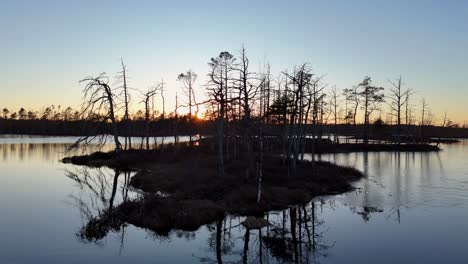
<point>316,98</point>
<point>408,110</point>
<point>279,109</point>
<point>264,105</point>
<point>300,79</point>
<point>334,103</point>
<point>161,90</point>
<point>99,101</point>
<point>146,101</point>
<point>398,99</point>
<point>175,122</point>
<point>423,119</point>
<point>122,77</point>
<point>246,92</point>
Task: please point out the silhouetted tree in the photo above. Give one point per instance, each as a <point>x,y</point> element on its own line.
<point>31,115</point>
<point>188,80</point>
<point>423,118</point>
<point>218,91</point>
<point>161,90</point>
<point>398,99</point>
<point>47,113</point>
<point>22,113</point>
<point>122,78</point>
<point>5,113</point>
<point>146,101</point>
<point>99,99</point>
<point>334,103</point>
<point>352,96</point>
<point>300,79</point>
<point>371,97</point>
<point>67,114</point>
<point>247,92</point>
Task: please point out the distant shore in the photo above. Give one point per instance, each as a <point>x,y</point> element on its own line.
<point>180,126</point>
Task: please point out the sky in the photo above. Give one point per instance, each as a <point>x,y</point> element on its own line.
<point>47,46</point>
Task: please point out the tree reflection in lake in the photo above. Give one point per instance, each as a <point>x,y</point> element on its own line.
<point>296,235</point>
<point>96,200</point>
<point>30,151</point>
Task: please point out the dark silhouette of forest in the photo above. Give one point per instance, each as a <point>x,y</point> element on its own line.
<point>63,125</point>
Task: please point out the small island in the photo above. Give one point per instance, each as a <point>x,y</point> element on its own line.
<point>182,188</point>
<point>251,153</point>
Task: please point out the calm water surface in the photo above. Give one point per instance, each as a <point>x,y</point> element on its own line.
<point>411,208</point>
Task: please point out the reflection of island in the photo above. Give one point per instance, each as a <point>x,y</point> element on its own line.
<point>294,235</point>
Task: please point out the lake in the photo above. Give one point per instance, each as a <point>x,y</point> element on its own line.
<point>410,208</point>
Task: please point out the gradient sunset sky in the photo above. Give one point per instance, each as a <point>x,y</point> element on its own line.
<point>48,46</point>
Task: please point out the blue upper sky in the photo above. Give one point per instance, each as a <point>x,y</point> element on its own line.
<point>47,46</point>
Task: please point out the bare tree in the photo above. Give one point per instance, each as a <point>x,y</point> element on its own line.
<point>99,100</point>
<point>316,98</point>
<point>300,79</point>
<point>398,99</point>
<point>122,77</point>
<point>334,103</point>
<point>146,100</point>
<point>161,90</point>
<point>247,92</point>
<point>423,118</point>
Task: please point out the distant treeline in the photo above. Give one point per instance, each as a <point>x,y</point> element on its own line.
<point>181,126</point>
<point>159,127</point>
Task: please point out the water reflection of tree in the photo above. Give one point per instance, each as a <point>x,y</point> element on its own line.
<point>295,235</point>
<point>96,200</point>
<point>220,243</point>
<point>31,151</point>
<point>298,236</point>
